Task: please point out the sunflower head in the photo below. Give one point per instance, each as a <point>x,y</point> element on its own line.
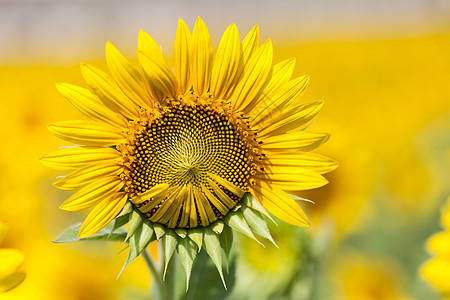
<point>187,154</point>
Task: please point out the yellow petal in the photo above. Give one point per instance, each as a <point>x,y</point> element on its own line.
<point>282,73</point>
<point>311,161</point>
<point>10,261</point>
<point>102,214</point>
<point>186,209</point>
<point>161,213</point>
<point>174,211</point>
<point>250,43</point>
<point>202,58</point>
<point>90,105</point>
<point>291,178</point>
<point>221,194</point>
<point>193,212</point>
<point>89,133</point>
<point>181,55</point>
<point>280,204</point>
<point>299,140</point>
<point>292,119</point>
<point>255,76</point>
<point>228,185</point>
<point>214,201</point>
<point>127,77</point>
<point>147,45</point>
<point>227,62</point>
<point>93,193</point>
<point>155,191</point>
<point>152,203</point>
<point>11,281</point>
<point>79,156</point>
<point>202,205</point>
<point>85,176</point>
<point>273,103</point>
<point>160,78</point>
<point>108,91</point>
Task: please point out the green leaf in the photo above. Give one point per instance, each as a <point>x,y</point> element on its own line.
<point>217,226</point>
<point>182,232</point>
<point>196,235</point>
<point>159,230</point>
<point>226,241</point>
<point>187,251</point>
<point>138,241</point>
<point>135,220</point>
<point>70,234</point>
<point>120,222</point>
<point>204,284</point>
<point>127,209</point>
<point>169,241</point>
<point>236,221</point>
<point>147,235</point>
<point>249,200</point>
<point>257,223</point>
<point>212,246</point>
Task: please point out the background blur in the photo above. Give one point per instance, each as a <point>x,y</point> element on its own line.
<point>383,69</point>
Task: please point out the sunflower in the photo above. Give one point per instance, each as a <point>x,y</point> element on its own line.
<point>186,145</point>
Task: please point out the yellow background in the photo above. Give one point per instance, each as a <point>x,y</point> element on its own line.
<point>385,78</point>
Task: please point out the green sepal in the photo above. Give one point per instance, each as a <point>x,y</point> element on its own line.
<point>138,241</point>
<point>187,251</point>
<point>120,222</point>
<point>169,242</point>
<point>237,207</point>
<point>211,244</point>
<point>135,222</point>
<point>257,223</point>
<point>70,234</point>
<point>217,226</point>
<point>237,222</point>
<point>159,230</point>
<point>226,241</point>
<point>249,200</point>
<point>127,209</point>
<point>196,235</point>
<point>181,232</point>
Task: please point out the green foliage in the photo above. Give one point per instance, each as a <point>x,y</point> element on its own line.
<point>216,239</point>
<point>108,233</point>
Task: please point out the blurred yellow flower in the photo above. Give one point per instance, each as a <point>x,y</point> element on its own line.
<point>437,269</point>
<point>358,278</point>
<point>10,263</point>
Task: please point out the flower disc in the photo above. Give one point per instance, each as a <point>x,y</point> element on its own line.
<point>181,147</point>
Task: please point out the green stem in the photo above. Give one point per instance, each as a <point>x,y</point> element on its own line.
<point>156,275</point>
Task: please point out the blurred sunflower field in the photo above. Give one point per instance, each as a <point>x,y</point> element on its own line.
<point>383,71</point>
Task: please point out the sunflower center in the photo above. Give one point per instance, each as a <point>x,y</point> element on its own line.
<point>182,147</point>
<point>184,144</point>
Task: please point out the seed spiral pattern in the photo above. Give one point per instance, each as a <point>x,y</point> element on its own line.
<point>182,146</point>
